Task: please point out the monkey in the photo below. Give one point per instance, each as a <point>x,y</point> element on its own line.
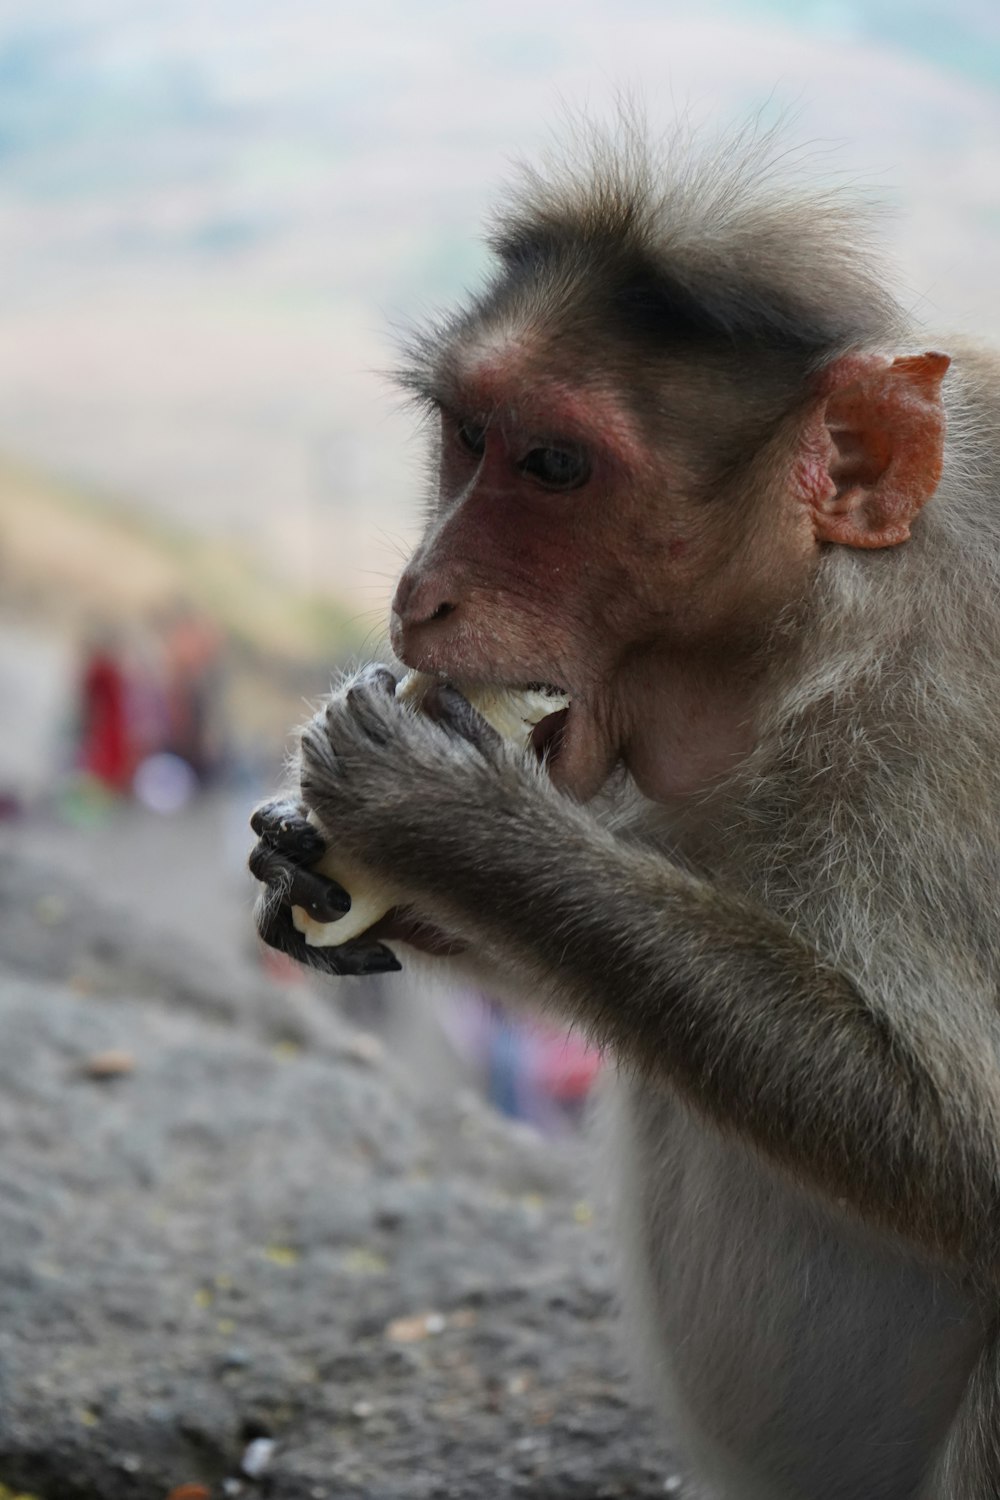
<point>696,467</point>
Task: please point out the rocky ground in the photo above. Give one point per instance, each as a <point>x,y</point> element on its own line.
<point>241,1255</point>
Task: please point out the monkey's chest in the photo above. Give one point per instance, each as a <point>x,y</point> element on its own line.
<point>798,1356</point>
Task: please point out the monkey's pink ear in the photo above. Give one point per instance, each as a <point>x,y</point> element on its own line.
<point>882,437</point>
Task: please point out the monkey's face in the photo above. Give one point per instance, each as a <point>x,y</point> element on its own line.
<point>641,455</point>
<point>564,548</point>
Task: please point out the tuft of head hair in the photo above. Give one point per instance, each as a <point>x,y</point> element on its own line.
<point>718,247</point>
<point>722,243</point>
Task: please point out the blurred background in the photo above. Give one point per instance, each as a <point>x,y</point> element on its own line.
<point>212,220</point>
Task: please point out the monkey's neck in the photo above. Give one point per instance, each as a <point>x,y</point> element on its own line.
<point>692,725</point>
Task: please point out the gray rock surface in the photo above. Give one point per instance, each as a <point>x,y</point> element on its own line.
<point>254,1230</point>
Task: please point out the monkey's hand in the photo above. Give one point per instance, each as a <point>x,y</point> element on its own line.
<point>287,845</point>
<point>405,790</point>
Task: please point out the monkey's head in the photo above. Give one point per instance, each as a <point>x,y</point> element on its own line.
<point>672,400</point>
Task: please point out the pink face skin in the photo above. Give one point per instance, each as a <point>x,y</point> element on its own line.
<point>602,587</point>
<point>645,604</point>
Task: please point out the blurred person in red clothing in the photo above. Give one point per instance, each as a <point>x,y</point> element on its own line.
<point>105,750</point>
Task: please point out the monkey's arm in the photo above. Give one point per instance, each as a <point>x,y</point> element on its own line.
<point>888,1111</point>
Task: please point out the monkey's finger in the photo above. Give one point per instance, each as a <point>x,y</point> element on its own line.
<point>266,864</point>
<point>267,818</point>
<point>378,677</point>
<point>366,700</point>
<point>271,865</point>
<point>275,926</point>
<point>359,958</point>
<point>446,706</point>
<point>318,763</point>
<point>323,899</point>
<point>284,825</point>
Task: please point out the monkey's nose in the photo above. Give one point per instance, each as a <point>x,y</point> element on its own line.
<point>410,626</point>
<point>419,609</point>
<point>440,613</point>
<point>420,602</point>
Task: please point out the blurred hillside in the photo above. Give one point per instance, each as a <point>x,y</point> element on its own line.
<point>72,562</point>
<point>69,557</point>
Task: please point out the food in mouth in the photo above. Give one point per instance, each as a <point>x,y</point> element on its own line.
<point>525,717</point>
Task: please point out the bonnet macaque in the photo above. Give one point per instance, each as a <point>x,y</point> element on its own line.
<point>697,472</point>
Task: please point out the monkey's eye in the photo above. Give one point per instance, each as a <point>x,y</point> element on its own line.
<point>472,436</point>
<point>557,468</point>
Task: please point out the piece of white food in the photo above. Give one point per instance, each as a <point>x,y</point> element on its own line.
<point>512,712</point>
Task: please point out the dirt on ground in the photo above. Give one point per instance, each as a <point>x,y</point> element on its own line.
<point>241,1253</point>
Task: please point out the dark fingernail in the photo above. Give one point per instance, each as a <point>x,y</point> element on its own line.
<point>323,899</point>
<point>329,907</point>
<point>263,863</point>
<point>326,906</point>
<point>337,896</point>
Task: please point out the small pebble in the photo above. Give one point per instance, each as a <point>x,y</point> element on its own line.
<point>114,1063</point>
<point>407,1330</point>
<point>257,1457</point>
<point>365,1048</point>
<point>412,1330</point>
<point>282,1255</point>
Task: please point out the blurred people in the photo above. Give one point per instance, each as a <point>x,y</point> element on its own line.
<point>149,717</point>
<point>104,751</point>
<point>528,1071</point>
<point>192,656</point>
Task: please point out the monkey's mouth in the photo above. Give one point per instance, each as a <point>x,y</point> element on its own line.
<point>541,715</point>
<point>546,733</point>
<point>573,744</point>
<point>529,714</point>
<point>549,734</point>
